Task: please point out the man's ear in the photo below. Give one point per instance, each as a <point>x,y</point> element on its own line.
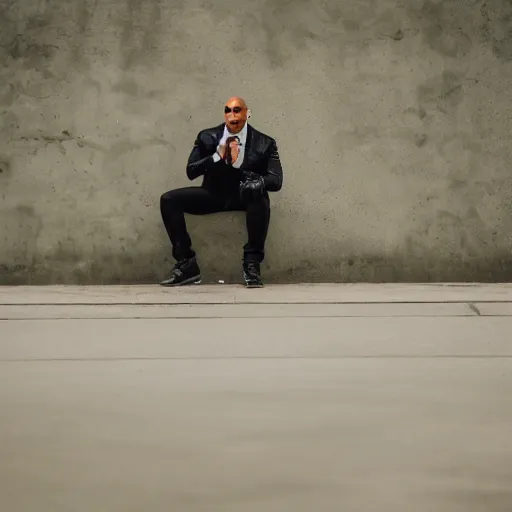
<point>249,113</point>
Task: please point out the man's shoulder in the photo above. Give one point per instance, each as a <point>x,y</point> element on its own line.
<point>262,136</point>
<point>211,131</point>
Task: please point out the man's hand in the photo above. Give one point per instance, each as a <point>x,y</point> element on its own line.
<point>233,148</point>
<point>252,186</point>
<point>230,150</point>
<point>222,150</point>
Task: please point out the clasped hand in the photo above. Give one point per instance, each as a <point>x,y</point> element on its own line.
<point>230,155</point>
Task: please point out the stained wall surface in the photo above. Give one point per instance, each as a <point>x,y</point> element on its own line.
<point>393,121</point>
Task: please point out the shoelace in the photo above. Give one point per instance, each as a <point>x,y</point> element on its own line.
<point>252,268</point>
<point>177,268</point>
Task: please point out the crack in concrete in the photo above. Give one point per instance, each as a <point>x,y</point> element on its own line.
<point>236,358</point>
<point>474,308</point>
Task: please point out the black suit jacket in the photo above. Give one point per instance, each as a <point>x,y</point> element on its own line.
<point>261,157</point>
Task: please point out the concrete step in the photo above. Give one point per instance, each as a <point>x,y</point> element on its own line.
<point>273,294</point>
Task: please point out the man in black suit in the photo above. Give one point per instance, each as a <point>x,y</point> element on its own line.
<point>239,165</point>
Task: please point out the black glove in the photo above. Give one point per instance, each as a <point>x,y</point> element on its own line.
<point>252,187</point>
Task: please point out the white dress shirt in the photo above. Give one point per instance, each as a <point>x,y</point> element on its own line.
<point>241,148</point>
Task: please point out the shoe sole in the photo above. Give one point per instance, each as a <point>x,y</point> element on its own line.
<point>191,280</point>
<point>248,284</point>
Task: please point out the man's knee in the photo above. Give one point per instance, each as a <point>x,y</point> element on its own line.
<point>169,199</point>
<point>258,201</point>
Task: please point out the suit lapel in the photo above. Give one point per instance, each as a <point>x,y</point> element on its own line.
<point>219,132</point>
<point>248,143</point>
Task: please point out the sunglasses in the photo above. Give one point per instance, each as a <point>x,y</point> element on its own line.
<point>235,110</point>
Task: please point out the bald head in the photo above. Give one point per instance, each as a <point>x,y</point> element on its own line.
<point>237,100</point>
<point>235,114</point>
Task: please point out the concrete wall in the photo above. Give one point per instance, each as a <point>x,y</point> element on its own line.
<point>393,120</point>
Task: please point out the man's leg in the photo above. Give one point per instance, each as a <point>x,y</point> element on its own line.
<point>257,222</point>
<point>173,206</point>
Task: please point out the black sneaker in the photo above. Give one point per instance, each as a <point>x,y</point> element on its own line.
<point>252,276</point>
<point>184,272</point>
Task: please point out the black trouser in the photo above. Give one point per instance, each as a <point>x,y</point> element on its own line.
<point>200,201</point>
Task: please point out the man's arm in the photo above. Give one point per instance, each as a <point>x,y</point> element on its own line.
<point>274,178</point>
<point>198,164</point>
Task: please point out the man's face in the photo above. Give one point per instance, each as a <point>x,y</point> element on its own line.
<point>235,115</point>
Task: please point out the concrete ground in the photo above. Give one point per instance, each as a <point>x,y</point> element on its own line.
<point>353,398</point>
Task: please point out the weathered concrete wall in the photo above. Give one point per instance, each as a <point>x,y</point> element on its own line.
<point>393,120</point>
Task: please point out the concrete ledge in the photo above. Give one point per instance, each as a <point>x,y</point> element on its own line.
<point>268,311</point>
<point>274,294</point>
